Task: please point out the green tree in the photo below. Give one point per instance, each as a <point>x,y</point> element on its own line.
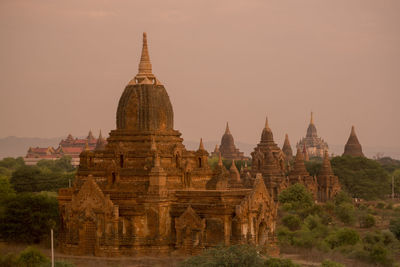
<point>32,257</point>
<point>394,227</point>
<point>296,197</point>
<point>328,263</point>
<point>27,217</point>
<point>362,177</point>
<point>6,189</point>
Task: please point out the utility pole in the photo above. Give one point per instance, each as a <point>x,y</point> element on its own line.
<point>52,249</point>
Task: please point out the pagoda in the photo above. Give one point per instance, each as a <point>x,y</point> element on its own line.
<point>144,193</point>
<point>227,148</point>
<point>353,146</point>
<point>314,145</point>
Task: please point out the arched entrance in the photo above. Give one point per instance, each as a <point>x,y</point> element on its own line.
<point>262,234</point>
<point>89,237</point>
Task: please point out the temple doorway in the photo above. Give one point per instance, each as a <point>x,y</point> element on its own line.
<point>90,237</point>
<point>262,234</point>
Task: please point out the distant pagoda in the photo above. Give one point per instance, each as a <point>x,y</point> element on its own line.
<point>227,148</point>
<point>287,149</point>
<point>314,145</point>
<point>353,146</point>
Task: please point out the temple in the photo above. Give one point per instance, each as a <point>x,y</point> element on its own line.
<point>144,193</point>
<point>314,145</point>
<point>227,148</point>
<point>67,147</point>
<point>287,149</point>
<point>328,183</point>
<point>353,146</point>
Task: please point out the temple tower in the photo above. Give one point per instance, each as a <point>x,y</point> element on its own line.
<point>314,145</point>
<point>227,148</point>
<point>328,183</point>
<point>353,146</point>
<point>287,149</point>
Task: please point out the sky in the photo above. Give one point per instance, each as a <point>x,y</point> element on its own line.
<point>64,65</point>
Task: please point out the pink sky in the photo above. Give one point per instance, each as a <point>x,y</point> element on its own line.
<point>64,65</point>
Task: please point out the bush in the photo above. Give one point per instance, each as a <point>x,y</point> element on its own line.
<point>276,262</point>
<point>342,237</point>
<point>296,197</point>
<point>380,205</point>
<point>394,227</point>
<point>366,221</point>
<point>345,213</point>
<point>292,222</point>
<point>328,263</point>
<point>235,256</point>
<point>8,260</point>
<point>31,257</point>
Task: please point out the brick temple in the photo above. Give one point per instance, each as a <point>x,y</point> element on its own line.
<point>143,193</point>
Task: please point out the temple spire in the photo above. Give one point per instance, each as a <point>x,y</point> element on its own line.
<point>219,159</point>
<point>145,68</point>
<point>266,123</point>
<point>312,118</point>
<point>201,146</point>
<point>227,131</point>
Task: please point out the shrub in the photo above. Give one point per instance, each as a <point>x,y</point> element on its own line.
<point>366,221</point>
<point>276,262</point>
<point>8,260</point>
<point>296,197</point>
<point>235,256</point>
<point>380,205</point>
<point>292,222</point>
<point>328,263</point>
<point>345,213</point>
<point>394,227</point>
<point>31,257</point>
<point>343,236</point>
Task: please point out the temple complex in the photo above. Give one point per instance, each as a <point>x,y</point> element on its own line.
<point>353,146</point>
<point>144,193</point>
<point>227,148</point>
<point>67,147</point>
<point>314,145</point>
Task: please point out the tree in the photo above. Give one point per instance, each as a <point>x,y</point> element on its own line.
<point>296,197</point>
<point>27,217</point>
<point>32,257</point>
<point>6,189</point>
<point>361,177</point>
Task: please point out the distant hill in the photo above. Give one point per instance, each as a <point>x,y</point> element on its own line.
<point>13,146</point>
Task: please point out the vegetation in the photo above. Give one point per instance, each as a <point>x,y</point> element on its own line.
<point>330,227</point>
<point>234,256</point>
<point>361,177</point>
<point>30,257</point>
<point>28,217</point>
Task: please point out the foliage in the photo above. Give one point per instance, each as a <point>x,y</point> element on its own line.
<point>313,166</point>
<point>366,220</point>
<point>8,260</point>
<point>36,179</point>
<point>344,236</point>
<point>394,227</point>
<point>61,165</point>
<point>389,164</point>
<point>32,257</point>
<point>328,263</point>
<point>292,222</point>
<point>6,189</point>
<point>361,177</point>
<point>296,197</point>
<point>232,256</point>
<point>345,212</point>
<point>12,163</point>
<point>27,217</point>
<point>276,262</point>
